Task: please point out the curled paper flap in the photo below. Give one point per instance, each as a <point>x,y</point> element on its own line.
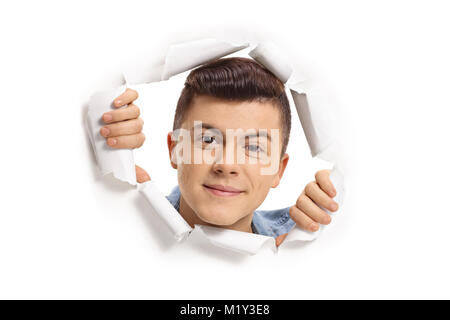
<point>159,203</point>
<point>270,56</point>
<point>305,96</point>
<point>237,241</point>
<point>309,128</point>
<point>119,162</point>
<point>311,109</point>
<point>185,56</point>
<point>138,75</point>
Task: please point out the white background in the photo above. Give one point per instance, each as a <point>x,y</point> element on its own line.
<point>66,232</point>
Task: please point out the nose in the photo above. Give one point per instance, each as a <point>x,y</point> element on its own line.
<point>224,167</point>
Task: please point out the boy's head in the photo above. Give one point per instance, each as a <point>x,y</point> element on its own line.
<point>232,177</point>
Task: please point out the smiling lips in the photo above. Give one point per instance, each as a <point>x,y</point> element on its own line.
<point>222,191</point>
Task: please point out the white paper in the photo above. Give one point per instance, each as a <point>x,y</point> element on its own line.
<point>119,162</point>
<point>185,56</point>
<point>312,108</point>
<point>242,242</point>
<point>269,56</point>
<point>177,225</point>
<point>182,57</point>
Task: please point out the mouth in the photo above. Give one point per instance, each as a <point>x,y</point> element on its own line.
<point>222,191</point>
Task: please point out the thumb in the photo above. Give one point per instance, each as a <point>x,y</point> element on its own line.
<point>141,175</point>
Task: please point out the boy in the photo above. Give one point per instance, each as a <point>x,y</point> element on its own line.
<point>223,96</point>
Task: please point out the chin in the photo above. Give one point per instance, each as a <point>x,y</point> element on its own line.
<point>219,217</point>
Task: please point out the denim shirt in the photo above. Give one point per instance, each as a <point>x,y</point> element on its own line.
<point>272,223</point>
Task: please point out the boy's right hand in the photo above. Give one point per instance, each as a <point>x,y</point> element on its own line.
<point>123,126</point>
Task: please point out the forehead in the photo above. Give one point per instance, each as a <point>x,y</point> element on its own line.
<point>223,114</point>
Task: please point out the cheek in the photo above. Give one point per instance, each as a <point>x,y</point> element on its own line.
<point>261,184</point>
<point>183,174</point>
<point>192,174</point>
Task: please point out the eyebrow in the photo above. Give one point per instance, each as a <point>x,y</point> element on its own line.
<point>257,135</point>
<point>210,126</point>
<point>205,126</point>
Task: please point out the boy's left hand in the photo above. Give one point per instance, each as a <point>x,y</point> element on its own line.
<point>307,212</point>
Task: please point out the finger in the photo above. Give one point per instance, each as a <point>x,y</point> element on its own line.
<point>302,220</point>
<point>125,98</point>
<point>141,175</point>
<point>324,182</point>
<point>130,112</point>
<point>279,240</point>
<point>306,205</point>
<point>122,128</point>
<point>317,195</point>
<point>128,142</point>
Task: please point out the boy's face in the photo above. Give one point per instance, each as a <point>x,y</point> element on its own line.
<point>247,183</point>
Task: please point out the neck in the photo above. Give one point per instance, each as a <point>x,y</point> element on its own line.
<point>244,224</point>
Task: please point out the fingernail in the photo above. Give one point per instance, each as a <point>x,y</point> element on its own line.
<point>112,142</point>
<point>107,117</point>
<point>314,227</point>
<point>104,131</point>
<point>118,103</point>
<point>334,206</point>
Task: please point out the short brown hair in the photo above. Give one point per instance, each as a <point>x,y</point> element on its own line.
<point>236,79</point>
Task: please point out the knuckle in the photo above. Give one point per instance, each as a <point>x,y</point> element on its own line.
<point>139,124</point>
<point>291,212</point>
<point>319,174</point>
<point>134,92</point>
<point>139,140</point>
<point>295,215</point>
<point>301,200</point>
<point>136,126</point>
<point>310,187</point>
<point>136,141</point>
<point>136,110</point>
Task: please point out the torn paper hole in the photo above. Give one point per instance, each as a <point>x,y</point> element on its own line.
<point>183,57</point>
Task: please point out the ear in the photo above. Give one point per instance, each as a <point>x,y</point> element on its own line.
<point>283,163</point>
<point>171,145</point>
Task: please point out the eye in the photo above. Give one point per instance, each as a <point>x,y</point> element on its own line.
<point>253,148</point>
<point>208,139</point>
